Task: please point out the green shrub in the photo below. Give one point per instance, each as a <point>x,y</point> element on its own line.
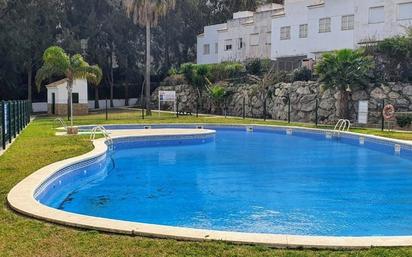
<point>174,80</point>
<point>254,66</point>
<point>258,66</point>
<point>172,71</point>
<point>234,70</point>
<point>404,120</point>
<point>302,74</point>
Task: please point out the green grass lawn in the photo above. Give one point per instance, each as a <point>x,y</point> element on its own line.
<point>37,146</point>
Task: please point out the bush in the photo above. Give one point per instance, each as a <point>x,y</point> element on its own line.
<point>174,80</point>
<point>214,72</point>
<point>404,120</point>
<point>254,66</point>
<point>234,70</point>
<point>302,74</point>
<point>172,72</point>
<point>258,66</point>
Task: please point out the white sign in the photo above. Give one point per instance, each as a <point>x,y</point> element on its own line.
<point>363,112</point>
<point>167,96</point>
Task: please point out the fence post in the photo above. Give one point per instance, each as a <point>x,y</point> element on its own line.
<point>3,129</point>
<point>289,108</point>
<point>9,121</point>
<point>316,112</point>
<point>177,107</point>
<point>197,107</point>
<point>264,109</point>
<point>244,108</point>
<point>20,123</point>
<point>382,116</point>
<point>107,114</point>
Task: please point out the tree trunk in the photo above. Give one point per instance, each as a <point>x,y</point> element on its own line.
<point>70,100</point>
<point>96,97</point>
<point>29,81</point>
<point>126,93</point>
<point>148,62</point>
<point>111,82</point>
<point>344,104</point>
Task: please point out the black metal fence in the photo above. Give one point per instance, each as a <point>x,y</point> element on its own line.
<point>14,117</point>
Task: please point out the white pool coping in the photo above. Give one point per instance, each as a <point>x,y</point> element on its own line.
<point>21,199</point>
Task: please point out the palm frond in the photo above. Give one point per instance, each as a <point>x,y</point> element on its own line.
<point>143,11</point>
<point>55,56</point>
<point>46,72</point>
<point>93,74</point>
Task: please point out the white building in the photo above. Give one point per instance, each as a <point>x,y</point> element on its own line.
<point>57,97</point>
<point>309,28</point>
<point>303,29</point>
<point>247,35</point>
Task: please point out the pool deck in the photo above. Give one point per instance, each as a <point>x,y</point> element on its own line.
<point>21,199</point>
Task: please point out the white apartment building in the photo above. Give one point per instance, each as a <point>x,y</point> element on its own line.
<point>303,29</point>
<point>308,28</point>
<point>247,35</point>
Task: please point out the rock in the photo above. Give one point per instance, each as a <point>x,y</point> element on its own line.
<point>303,91</point>
<point>359,95</point>
<point>401,103</point>
<point>308,107</point>
<point>327,104</point>
<point>378,93</point>
<point>407,90</point>
<point>393,95</point>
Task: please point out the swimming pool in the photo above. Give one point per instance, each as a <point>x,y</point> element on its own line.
<point>271,180</point>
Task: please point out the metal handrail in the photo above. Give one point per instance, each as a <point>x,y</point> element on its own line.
<point>61,121</point>
<point>343,125</point>
<point>104,133</point>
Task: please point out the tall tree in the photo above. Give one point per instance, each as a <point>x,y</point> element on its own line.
<point>29,27</point>
<point>57,63</point>
<point>344,70</point>
<point>147,13</point>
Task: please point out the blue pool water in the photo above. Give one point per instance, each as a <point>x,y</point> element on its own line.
<point>265,182</point>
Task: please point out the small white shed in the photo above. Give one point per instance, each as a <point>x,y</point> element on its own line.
<point>57,97</point>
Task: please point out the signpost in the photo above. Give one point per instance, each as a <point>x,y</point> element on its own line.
<point>167,96</point>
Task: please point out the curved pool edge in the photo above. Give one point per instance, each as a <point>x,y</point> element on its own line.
<point>21,199</point>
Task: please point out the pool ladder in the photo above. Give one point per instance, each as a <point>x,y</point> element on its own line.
<point>59,121</point>
<point>343,125</point>
<point>104,132</point>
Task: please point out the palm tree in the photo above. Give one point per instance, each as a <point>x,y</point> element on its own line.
<point>57,63</point>
<point>344,70</point>
<point>147,13</point>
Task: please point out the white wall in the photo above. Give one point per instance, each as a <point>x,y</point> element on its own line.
<point>243,25</point>
<point>299,12</point>
<point>79,86</point>
<point>392,25</point>
<point>210,37</point>
<point>42,106</point>
<point>255,32</point>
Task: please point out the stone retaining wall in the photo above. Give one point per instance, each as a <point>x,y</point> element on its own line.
<point>303,97</point>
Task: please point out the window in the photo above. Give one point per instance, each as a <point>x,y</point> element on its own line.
<point>206,49</point>
<point>405,11</point>
<point>216,48</point>
<point>376,14</point>
<point>348,22</point>
<point>240,43</point>
<point>285,33</point>
<point>303,31</point>
<point>228,44</point>
<point>75,98</point>
<point>324,25</point>
<point>254,39</point>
